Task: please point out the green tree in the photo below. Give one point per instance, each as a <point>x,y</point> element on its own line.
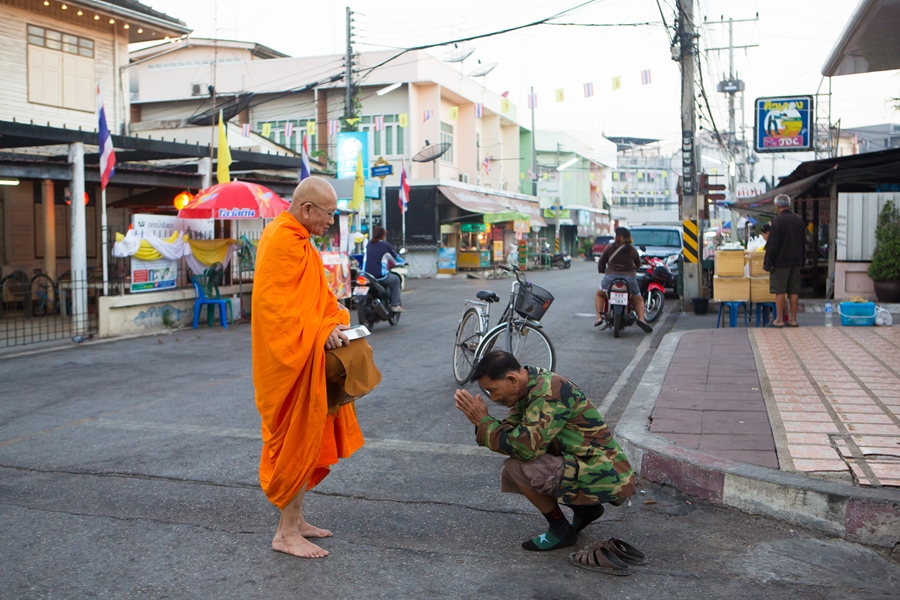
<point>886,257</point>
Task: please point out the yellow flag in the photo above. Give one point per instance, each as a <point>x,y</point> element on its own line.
<point>224,154</point>
<point>592,176</point>
<point>403,120</point>
<point>310,128</point>
<point>352,121</point>
<point>568,176</point>
<point>454,113</point>
<point>359,185</point>
<point>266,130</point>
<point>616,82</point>
<point>561,95</point>
<point>521,175</point>
<point>504,105</point>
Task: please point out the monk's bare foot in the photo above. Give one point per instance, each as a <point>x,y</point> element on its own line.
<point>296,545</point>
<point>309,531</point>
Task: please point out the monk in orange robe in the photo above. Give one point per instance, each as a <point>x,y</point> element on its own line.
<point>296,318</point>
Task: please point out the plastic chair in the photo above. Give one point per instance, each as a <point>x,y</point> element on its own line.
<point>733,313</point>
<point>210,304</point>
<point>763,311</point>
<point>215,275</point>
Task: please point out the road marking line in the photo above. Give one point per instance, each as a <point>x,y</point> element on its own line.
<point>626,374</point>
<point>255,434</point>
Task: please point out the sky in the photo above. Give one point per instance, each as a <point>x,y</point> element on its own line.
<point>793,38</point>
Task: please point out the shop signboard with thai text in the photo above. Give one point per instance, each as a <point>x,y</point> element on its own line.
<point>784,124</point>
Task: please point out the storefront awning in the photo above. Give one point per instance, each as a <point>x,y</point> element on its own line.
<point>764,203</point>
<point>505,216</point>
<point>489,204</point>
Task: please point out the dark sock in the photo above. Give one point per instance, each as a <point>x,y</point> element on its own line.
<point>559,535</point>
<point>585,515</point>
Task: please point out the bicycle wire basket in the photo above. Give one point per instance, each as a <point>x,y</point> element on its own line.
<point>532,301</point>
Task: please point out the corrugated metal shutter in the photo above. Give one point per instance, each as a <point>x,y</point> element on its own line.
<point>857,219</point>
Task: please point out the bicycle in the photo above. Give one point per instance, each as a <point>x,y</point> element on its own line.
<point>519,330</point>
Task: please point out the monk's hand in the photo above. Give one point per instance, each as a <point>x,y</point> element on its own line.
<point>337,339</point>
<point>473,408</point>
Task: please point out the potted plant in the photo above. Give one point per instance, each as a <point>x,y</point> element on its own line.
<point>885,267</point>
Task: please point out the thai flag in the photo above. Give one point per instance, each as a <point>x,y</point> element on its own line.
<point>532,100</point>
<point>487,164</point>
<point>288,130</point>
<point>645,77</point>
<point>479,110</point>
<point>245,130</point>
<point>428,115</point>
<point>588,90</point>
<point>530,175</point>
<point>379,123</point>
<point>403,196</point>
<point>333,127</point>
<point>104,140</point>
<point>304,159</point>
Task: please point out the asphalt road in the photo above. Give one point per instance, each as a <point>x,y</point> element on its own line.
<point>128,470</point>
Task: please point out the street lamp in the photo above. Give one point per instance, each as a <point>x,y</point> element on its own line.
<point>567,164</point>
<point>388,89</point>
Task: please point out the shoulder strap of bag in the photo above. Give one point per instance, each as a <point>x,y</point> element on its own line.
<point>613,255</point>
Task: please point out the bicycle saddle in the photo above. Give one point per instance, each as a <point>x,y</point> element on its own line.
<point>488,296</point>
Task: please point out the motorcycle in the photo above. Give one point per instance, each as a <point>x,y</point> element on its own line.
<point>374,299</point>
<point>618,314</point>
<point>653,278</point>
<point>561,260</point>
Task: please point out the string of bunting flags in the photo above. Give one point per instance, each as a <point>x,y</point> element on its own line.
<point>334,126</point>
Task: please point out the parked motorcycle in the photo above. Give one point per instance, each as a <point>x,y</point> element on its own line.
<point>560,260</point>
<point>618,314</point>
<point>374,298</point>
<point>653,278</point>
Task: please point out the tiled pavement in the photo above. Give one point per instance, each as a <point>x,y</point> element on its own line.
<point>832,394</point>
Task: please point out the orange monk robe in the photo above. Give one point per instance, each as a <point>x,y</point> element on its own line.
<point>294,312</point>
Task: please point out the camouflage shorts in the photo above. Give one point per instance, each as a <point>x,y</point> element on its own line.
<point>543,475</point>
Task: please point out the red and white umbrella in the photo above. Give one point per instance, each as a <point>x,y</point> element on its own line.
<point>234,200</point>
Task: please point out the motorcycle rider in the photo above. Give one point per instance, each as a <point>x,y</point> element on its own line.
<point>621,260</point>
<point>373,265</point>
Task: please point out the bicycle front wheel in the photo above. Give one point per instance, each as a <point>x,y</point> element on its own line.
<point>529,344</point>
<point>468,335</point>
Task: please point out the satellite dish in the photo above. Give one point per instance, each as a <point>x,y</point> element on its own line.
<point>460,54</point>
<point>430,153</point>
<point>483,70</point>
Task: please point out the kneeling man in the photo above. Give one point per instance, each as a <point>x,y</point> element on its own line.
<point>560,450</point>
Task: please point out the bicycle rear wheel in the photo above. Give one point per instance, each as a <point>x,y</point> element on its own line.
<point>529,344</point>
<point>468,335</point>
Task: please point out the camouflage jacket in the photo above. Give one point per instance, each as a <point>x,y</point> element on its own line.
<point>557,418</point>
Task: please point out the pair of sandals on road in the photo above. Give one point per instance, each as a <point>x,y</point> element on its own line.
<point>613,557</point>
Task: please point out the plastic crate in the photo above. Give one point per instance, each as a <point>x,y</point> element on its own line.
<point>857,314</point>
<point>532,301</point>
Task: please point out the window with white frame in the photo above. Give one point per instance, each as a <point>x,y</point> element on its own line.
<point>60,69</point>
<point>447,137</point>
<point>389,141</point>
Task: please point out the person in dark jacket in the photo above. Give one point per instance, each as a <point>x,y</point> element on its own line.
<point>375,252</point>
<point>621,260</point>
<point>785,255</point>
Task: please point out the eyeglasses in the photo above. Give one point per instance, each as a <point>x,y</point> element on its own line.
<point>330,214</point>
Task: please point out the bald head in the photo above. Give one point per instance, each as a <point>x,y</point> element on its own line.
<point>313,204</point>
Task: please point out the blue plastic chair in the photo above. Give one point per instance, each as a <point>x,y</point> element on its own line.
<point>763,310</point>
<point>210,304</point>
<point>733,313</point>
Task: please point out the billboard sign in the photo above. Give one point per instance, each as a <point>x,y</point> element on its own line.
<point>784,124</point>
<point>349,145</point>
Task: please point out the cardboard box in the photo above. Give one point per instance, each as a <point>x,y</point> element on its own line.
<point>730,263</point>
<point>727,289</point>
<point>756,264</point>
<point>759,289</point>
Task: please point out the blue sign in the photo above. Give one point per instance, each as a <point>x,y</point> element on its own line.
<point>349,145</point>
<point>382,170</point>
<point>784,124</point>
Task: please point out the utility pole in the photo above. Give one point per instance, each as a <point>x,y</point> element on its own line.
<point>534,167</point>
<point>691,271</point>
<point>731,86</point>
<point>348,64</point>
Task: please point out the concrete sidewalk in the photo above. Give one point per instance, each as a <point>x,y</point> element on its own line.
<point>802,424</point>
